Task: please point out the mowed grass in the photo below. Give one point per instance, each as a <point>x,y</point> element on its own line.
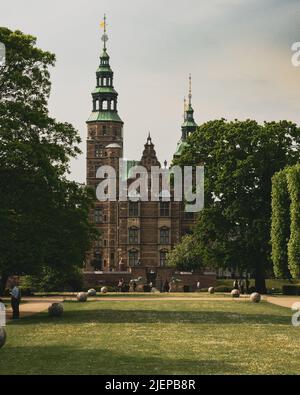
<point>155,337</point>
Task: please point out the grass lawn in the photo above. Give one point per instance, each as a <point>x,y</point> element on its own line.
<point>155,337</point>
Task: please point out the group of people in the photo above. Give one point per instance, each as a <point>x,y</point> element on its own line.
<point>242,285</point>
<point>165,287</point>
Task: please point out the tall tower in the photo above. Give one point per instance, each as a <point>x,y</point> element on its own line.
<point>189,125</point>
<point>104,147</point>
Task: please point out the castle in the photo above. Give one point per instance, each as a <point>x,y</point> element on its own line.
<point>135,236</point>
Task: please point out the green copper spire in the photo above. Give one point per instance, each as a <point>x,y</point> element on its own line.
<point>189,125</point>
<point>105,97</point>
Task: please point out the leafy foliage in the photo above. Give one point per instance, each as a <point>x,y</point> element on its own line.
<point>43,216</point>
<point>280,226</point>
<point>185,255</point>
<point>240,158</point>
<point>293,181</point>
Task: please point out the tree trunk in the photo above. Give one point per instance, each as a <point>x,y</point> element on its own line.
<point>4,278</point>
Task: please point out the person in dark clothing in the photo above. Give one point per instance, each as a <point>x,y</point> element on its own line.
<point>166,286</point>
<point>134,286</point>
<point>15,300</point>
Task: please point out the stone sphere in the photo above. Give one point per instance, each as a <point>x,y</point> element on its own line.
<point>211,290</point>
<point>2,337</point>
<point>235,293</point>
<point>92,292</point>
<point>82,296</point>
<point>255,297</point>
<point>55,310</point>
<point>103,290</point>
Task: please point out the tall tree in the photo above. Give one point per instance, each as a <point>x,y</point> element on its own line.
<point>280,224</point>
<point>240,158</point>
<point>43,216</point>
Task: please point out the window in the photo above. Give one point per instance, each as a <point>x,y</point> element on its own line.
<point>163,258</point>
<point>164,236</point>
<point>133,258</point>
<point>133,209</point>
<point>133,237</point>
<point>164,210</point>
<point>98,151</point>
<point>98,215</point>
<point>97,263</point>
<point>104,105</point>
<point>104,130</point>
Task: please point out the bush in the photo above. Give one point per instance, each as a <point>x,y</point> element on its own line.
<point>51,280</point>
<point>291,289</point>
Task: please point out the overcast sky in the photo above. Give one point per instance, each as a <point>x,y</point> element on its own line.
<point>238,52</point>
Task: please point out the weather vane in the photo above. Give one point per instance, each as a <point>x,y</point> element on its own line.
<point>103,25</point>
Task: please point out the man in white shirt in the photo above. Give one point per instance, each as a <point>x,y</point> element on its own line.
<point>15,300</point>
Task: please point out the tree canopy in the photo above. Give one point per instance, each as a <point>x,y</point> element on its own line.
<point>43,216</point>
<point>240,158</point>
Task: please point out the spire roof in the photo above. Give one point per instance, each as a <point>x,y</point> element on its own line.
<point>105,97</point>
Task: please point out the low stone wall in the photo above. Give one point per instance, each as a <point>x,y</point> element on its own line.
<point>188,280</point>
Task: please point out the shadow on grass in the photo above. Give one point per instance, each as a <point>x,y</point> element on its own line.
<point>110,316</point>
<point>71,360</point>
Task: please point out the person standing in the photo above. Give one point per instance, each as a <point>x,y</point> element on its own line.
<point>198,286</point>
<point>15,300</point>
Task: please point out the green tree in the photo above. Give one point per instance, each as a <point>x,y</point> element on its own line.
<point>293,182</point>
<point>240,158</point>
<point>185,255</point>
<point>43,216</point>
<point>280,225</point>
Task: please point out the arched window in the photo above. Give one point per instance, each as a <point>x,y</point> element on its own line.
<point>133,257</point>
<point>133,235</point>
<point>97,262</point>
<point>104,105</point>
<point>164,235</point>
<point>163,257</point>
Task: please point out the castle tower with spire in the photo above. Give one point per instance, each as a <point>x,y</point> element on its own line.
<point>104,147</point>
<point>189,125</point>
<point>135,236</point>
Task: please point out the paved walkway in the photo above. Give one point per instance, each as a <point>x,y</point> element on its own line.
<point>284,301</point>
<point>33,306</point>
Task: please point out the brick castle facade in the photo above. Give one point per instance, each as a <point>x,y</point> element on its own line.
<point>135,236</point>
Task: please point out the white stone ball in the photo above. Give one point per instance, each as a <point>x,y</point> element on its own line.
<point>82,296</point>
<point>255,297</point>
<point>92,292</point>
<point>55,310</point>
<point>2,337</point>
<point>211,290</point>
<point>103,290</point>
<point>235,293</point>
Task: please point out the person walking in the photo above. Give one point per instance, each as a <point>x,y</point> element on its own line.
<point>15,300</point>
